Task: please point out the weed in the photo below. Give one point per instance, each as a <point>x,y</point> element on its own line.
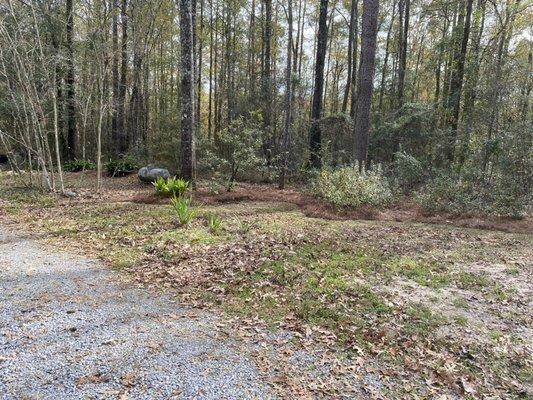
<point>183,210</point>
<point>214,222</point>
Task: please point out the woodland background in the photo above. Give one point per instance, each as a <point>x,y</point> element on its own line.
<point>276,88</point>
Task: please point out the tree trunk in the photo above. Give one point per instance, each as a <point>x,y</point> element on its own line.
<point>351,34</point>
<point>70,84</point>
<point>187,92</point>
<point>366,80</point>
<point>267,79</point>
<point>472,80</point>
<point>316,108</point>
<point>122,143</point>
<point>211,47</point>
<point>288,98</point>
<point>404,12</point>
<point>458,68</point>
<point>386,60</point>
<point>199,77</point>
<point>116,77</point>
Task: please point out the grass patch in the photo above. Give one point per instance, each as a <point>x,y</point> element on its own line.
<point>272,262</point>
<point>422,321</point>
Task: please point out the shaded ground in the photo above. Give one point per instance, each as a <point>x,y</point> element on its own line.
<point>334,308</point>
<point>70,329</point>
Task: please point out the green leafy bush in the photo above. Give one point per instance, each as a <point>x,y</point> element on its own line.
<point>347,187</point>
<point>123,167</point>
<point>78,165</point>
<point>160,186</point>
<point>472,194</point>
<point>214,223</point>
<point>237,153</point>
<point>175,187</point>
<point>185,213</point>
<point>406,172</point>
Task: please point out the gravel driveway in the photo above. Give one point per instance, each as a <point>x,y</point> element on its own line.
<point>70,329</point>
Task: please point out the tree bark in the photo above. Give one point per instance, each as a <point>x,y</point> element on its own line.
<point>457,74</point>
<point>316,108</point>
<point>366,80</point>
<point>472,80</point>
<point>122,142</point>
<point>386,60</point>
<point>70,84</point>
<point>351,34</point>
<point>116,78</point>
<point>267,79</point>
<point>404,18</point>
<point>288,98</point>
<point>188,159</point>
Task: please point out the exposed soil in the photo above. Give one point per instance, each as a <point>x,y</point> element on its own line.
<point>314,207</point>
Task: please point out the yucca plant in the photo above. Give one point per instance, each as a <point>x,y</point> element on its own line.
<point>184,212</point>
<point>160,186</point>
<point>177,186</point>
<point>214,222</point>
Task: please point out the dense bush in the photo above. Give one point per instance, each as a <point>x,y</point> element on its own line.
<point>406,172</point>
<point>412,129</point>
<point>237,152</point>
<point>347,187</point>
<point>123,167</point>
<point>474,194</point>
<point>78,165</point>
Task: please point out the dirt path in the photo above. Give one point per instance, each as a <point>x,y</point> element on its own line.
<point>69,328</point>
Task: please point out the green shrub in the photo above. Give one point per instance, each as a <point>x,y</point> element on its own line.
<point>78,165</point>
<point>183,209</point>
<point>215,223</point>
<point>472,194</point>
<point>237,153</point>
<point>406,172</point>
<point>160,186</point>
<point>123,167</point>
<point>347,187</point>
<point>175,187</point>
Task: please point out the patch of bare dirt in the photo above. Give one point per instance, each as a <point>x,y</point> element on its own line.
<point>405,212</point>
<point>130,189</point>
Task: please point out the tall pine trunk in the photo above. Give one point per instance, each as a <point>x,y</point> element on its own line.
<point>70,84</point>
<point>457,74</point>
<point>351,35</point>
<point>116,77</point>
<point>188,158</point>
<point>316,108</point>
<point>404,30</point>
<point>366,80</point>
<point>267,80</point>
<point>386,59</point>
<point>122,137</point>
<point>288,98</point>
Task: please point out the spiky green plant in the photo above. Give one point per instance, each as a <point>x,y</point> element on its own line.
<point>214,222</point>
<point>175,187</point>
<point>185,213</point>
<point>160,186</point>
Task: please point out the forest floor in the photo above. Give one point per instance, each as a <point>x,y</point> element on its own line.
<point>390,304</point>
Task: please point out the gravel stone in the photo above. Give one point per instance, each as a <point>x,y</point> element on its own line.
<point>71,329</point>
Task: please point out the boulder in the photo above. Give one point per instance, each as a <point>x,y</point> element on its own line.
<point>150,174</point>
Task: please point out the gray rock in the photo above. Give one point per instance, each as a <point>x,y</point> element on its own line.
<point>150,173</point>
